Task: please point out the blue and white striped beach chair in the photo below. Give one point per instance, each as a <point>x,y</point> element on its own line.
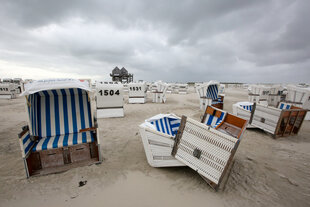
<point>60,123</point>
<point>209,95</point>
<point>158,133</point>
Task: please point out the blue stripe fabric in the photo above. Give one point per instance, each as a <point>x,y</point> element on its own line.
<point>55,142</point>
<point>281,106</point>
<point>63,141</point>
<point>47,114</point>
<point>56,109</point>
<point>209,122</point>
<point>165,125</point>
<point>73,108</point>
<point>26,138</point>
<point>39,116</point>
<point>212,92</point>
<point>214,121</point>
<point>45,142</point>
<point>82,112</point>
<point>162,126</point>
<point>65,111</point>
<point>288,106</point>
<point>88,111</point>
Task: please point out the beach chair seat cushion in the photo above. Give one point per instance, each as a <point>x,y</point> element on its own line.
<point>66,140</point>
<point>214,117</point>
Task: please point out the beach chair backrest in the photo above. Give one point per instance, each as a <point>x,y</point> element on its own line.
<point>247,106</point>
<point>212,92</point>
<point>167,125</point>
<point>59,112</point>
<point>213,117</point>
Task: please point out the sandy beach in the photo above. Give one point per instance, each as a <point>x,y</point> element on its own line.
<point>266,172</point>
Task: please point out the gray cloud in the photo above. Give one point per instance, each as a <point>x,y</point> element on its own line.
<point>240,40</point>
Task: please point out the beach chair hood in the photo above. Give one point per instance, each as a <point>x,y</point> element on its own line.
<point>147,122</point>
<point>53,84</point>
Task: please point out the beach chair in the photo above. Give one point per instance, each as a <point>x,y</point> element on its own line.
<point>208,147</point>
<point>259,94</point>
<point>183,88</point>
<point>137,92</point>
<point>283,121</point>
<point>61,132</point>
<point>7,91</point>
<point>159,95</point>
<point>244,111</point>
<point>158,134</point>
<point>299,97</point>
<point>276,95</point>
<point>209,96</point>
<point>109,99</point>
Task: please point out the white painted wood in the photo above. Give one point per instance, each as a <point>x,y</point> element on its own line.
<point>215,147</point>
<point>158,147</point>
<point>110,113</point>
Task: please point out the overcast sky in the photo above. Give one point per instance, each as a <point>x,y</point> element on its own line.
<point>229,40</point>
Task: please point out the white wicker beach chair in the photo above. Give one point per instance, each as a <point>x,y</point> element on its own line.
<point>7,91</point>
<point>209,147</point>
<point>285,120</point>
<point>159,95</point>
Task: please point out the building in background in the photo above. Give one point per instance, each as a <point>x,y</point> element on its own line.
<point>121,75</point>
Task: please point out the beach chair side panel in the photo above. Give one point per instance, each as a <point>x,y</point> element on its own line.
<point>266,118</point>
<point>290,121</point>
<point>204,149</point>
<point>158,148</point>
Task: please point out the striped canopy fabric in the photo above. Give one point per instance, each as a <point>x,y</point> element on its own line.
<point>247,107</point>
<point>212,92</point>
<point>55,113</point>
<point>167,125</point>
<point>215,119</point>
<point>284,105</point>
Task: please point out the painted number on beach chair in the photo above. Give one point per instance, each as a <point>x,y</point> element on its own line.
<point>135,88</point>
<point>109,92</point>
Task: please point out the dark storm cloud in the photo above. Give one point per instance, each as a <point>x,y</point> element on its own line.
<point>241,40</point>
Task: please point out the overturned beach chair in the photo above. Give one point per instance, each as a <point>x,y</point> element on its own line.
<point>7,91</point>
<point>286,120</point>
<point>109,99</point>
<point>244,111</point>
<point>158,134</point>
<point>208,147</point>
<point>209,96</point>
<point>159,95</point>
<point>137,92</point>
<point>61,131</point>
